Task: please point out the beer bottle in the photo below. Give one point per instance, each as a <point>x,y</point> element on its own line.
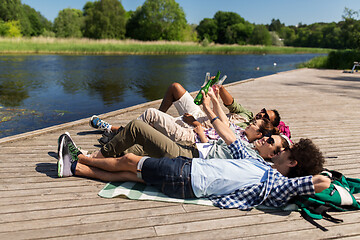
<point>199,97</point>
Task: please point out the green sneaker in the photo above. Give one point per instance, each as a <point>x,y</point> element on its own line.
<point>68,154</point>
<point>73,149</point>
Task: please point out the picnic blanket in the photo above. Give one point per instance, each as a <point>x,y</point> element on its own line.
<point>139,191</point>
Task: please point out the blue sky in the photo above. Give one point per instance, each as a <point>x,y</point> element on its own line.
<point>289,12</point>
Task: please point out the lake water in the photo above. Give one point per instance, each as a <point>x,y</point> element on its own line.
<point>38,91</point>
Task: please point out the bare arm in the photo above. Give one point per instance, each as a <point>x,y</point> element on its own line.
<point>225,96</point>
<point>321,183</point>
<point>214,96</point>
<point>189,119</point>
<point>221,128</point>
<point>200,132</point>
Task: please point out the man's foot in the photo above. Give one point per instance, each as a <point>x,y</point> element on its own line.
<point>68,154</point>
<point>97,123</point>
<point>107,136</point>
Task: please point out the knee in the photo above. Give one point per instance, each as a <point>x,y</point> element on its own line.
<point>176,86</point>
<point>130,160</point>
<point>149,115</point>
<point>134,124</point>
<point>128,156</point>
<point>177,89</point>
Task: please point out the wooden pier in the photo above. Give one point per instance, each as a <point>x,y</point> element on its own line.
<point>323,105</point>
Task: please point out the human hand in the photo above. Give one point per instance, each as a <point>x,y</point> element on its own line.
<point>189,119</point>
<point>214,97</point>
<point>198,128</point>
<point>206,100</point>
<point>216,89</point>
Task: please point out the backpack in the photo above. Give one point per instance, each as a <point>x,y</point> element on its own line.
<point>338,197</point>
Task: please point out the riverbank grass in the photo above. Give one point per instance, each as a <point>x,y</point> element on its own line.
<point>341,59</point>
<point>88,46</point>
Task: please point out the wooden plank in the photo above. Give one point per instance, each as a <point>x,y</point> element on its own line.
<point>319,104</point>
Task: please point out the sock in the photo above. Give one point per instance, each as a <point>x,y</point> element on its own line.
<point>109,128</point>
<point>73,167</point>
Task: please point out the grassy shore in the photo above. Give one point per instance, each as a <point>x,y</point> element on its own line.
<point>341,59</point>
<point>125,47</point>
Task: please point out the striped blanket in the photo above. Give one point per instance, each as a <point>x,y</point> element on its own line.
<point>139,191</point>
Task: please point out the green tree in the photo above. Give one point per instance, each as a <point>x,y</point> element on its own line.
<point>260,36</point>
<point>104,19</point>
<point>225,20</point>
<point>10,29</point>
<point>288,35</point>
<point>350,30</point>
<point>10,10</point>
<point>276,26</point>
<point>239,33</point>
<point>350,14</point>
<point>207,28</point>
<point>69,23</point>
<point>331,36</point>
<point>157,20</point>
<point>190,33</point>
<point>3,28</point>
<point>33,23</point>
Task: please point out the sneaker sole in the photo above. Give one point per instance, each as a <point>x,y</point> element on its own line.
<point>59,141</point>
<point>60,163</point>
<point>91,119</point>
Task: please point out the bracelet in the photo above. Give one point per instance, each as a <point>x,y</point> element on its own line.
<point>212,120</point>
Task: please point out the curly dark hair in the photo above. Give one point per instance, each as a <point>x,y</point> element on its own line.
<point>309,159</point>
<point>277,119</point>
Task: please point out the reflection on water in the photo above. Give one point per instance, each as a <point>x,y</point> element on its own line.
<point>43,90</point>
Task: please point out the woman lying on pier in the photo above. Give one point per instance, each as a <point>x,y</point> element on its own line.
<point>243,182</point>
<point>188,128</point>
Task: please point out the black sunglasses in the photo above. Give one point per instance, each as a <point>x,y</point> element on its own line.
<point>270,140</point>
<point>262,114</point>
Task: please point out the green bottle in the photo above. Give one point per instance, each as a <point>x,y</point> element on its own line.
<point>199,97</point>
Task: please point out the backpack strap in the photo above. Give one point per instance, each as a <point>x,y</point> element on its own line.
<point>332,219</point>
<point>312,221</point>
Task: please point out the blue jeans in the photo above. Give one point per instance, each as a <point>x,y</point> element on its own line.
<point>170,176</point>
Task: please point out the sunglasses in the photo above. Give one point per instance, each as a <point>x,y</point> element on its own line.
<point>270,140</point>
<point>262,114</point>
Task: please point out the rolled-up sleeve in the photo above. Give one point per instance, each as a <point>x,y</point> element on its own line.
<point>238,109</point>
<point>286,188</point>
<point>236,149</point>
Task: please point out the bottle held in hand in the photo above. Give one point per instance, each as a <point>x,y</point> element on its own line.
<point>199,97</point>
<point>221,80</point>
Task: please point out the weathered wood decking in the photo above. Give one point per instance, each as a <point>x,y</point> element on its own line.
<point>35,204</point>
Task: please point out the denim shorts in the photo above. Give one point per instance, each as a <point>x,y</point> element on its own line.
<point>170,176</point>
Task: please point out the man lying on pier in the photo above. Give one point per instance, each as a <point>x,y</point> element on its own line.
<point>243,182</point>
<point>189,127</point>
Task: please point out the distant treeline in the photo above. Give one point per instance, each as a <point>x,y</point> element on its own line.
<point>165,20</point>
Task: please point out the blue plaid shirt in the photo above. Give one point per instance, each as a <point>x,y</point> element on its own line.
<point>275,191</point>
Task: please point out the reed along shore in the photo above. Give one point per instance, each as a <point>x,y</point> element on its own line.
<point>132,47</point>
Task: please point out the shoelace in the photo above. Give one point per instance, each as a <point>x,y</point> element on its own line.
<point>102,124</point>
<point>74,152</point>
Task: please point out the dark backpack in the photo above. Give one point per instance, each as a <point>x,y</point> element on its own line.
<point>338,197</point>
